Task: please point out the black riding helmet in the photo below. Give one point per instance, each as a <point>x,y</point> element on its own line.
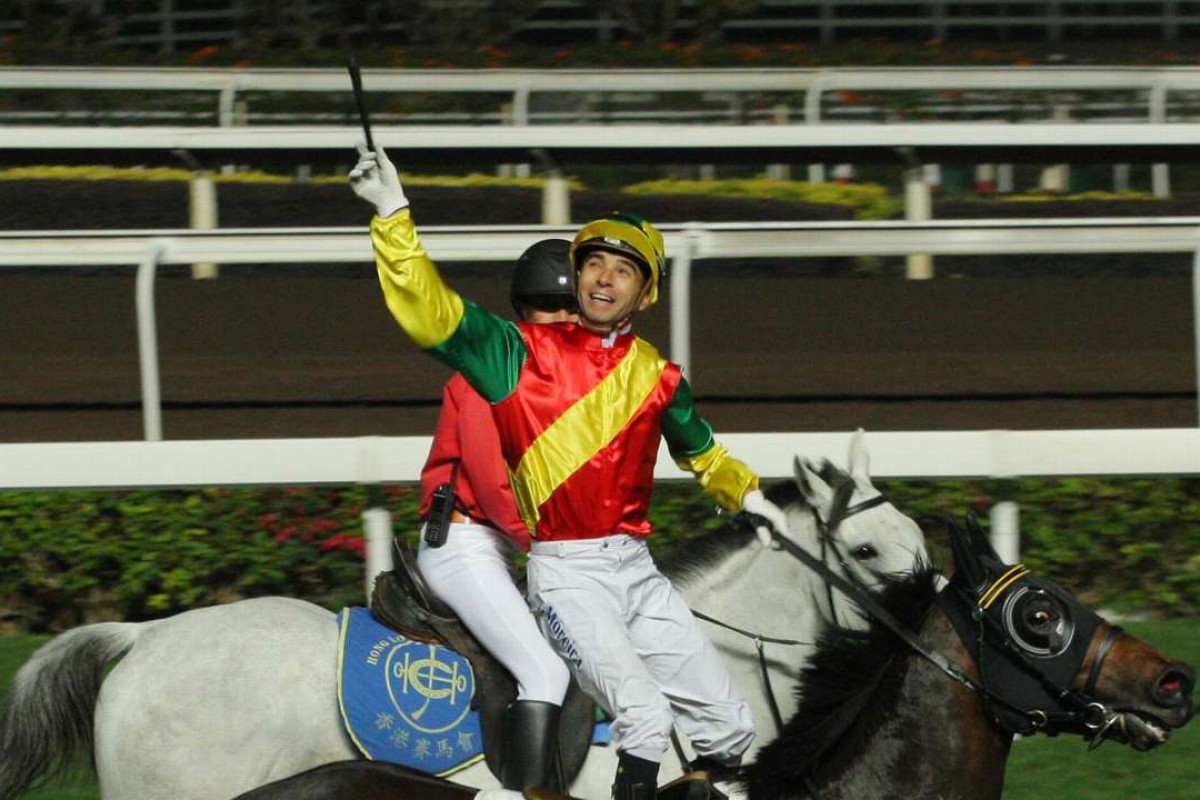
<point>543,278</point>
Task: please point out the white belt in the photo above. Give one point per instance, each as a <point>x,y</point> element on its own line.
<point>565,547</point>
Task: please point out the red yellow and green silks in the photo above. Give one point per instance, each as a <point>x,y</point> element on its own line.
<point>580,415</point>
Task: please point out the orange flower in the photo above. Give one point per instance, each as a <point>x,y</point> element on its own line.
<point>203,54</point>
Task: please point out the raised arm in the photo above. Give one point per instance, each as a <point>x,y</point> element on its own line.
<point>486,349</point>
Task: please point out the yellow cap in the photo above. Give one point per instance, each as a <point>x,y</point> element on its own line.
<point>628,234</point>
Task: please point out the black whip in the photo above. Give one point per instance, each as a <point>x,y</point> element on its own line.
<point>356,82</point>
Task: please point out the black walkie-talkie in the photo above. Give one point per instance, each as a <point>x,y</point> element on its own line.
<point>437,527</point>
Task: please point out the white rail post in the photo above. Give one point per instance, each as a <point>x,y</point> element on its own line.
<point>1057,177</point>
<point>556,199</point>
<point>812,116</point>
<point>203,205</point>
<point>377,531</point>
<point>681,302</point>
<point>1160,174</point>
<point>1006,182</point>
<point>520,116</point>
<point>1006,531</point>
<point>918,207</point>
<point>779,172</point>
<point>148,342</point>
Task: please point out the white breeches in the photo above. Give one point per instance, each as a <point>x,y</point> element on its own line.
<point>636,648</point>
<point>470,574</point>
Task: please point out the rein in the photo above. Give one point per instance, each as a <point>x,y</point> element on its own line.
<point>839,511</point>
<point>1037,718</point>
<point>1092,717</point>
<point>759,639</point>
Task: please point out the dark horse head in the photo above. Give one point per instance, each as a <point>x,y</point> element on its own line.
<point>1019,654</point>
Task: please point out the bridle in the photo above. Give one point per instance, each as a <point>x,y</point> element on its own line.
<point>839,511</point>
<point>1042,700</point>
<point>1076,712</point>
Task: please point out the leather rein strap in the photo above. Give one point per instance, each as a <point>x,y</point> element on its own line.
<point>840,511</point>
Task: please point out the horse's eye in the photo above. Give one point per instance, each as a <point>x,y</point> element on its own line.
<point>1039,617</point>
<point>1038,622</point>
<point>865,552</point>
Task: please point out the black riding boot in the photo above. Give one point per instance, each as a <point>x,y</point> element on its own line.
<point>530,746</point>
<point>637,778</point>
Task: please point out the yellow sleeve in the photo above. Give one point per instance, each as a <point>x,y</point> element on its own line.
<point>721,475</point>
<point>426,308</point>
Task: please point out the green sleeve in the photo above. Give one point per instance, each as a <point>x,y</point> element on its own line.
<point>488,350</point>
<point>687,433</point>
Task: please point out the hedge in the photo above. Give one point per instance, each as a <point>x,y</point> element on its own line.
<point>81,556</point>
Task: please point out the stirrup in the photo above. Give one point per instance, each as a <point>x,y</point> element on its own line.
<point>694,785</point>
<point>544,793</point>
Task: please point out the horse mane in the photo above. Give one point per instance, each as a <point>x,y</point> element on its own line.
<point>698,556</point>
<point>847,674</point>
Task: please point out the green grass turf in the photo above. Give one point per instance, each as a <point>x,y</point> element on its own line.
<point>1063,769</point>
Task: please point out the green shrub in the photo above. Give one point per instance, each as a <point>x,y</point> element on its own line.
<point>104,173</point>
<point>72,557</point>
<point>869,200</point>
<point>1132,545</point>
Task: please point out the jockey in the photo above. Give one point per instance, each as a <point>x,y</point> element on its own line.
<point>580,408</point>
<point>469,571</point>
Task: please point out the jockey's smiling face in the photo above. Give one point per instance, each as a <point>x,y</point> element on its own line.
<point>611,287</point>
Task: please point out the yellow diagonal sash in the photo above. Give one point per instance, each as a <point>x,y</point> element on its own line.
<point>583,430</point>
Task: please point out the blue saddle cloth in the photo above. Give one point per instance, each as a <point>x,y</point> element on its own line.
<point>405,701</point>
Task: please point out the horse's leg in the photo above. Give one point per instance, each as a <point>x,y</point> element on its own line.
<point>47,719</point>
<point>216,701</point>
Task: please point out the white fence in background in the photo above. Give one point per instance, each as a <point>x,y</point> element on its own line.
<point>923,455</point>
<point>516,88</point>
<point>720,96</point>
<point>377,460</point>
<point>685,244</point>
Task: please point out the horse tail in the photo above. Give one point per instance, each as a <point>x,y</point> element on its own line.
<point>46,724</point>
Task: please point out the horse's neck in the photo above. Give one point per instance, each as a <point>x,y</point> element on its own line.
<point>763,590</point>
<point>933,741</point>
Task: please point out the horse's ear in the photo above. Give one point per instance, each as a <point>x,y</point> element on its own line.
<point>817,493</point>
<point>980,542</point>
<point>968,569</point>
<point>859,459</point>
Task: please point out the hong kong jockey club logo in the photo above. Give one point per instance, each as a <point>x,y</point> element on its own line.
<point>406,701</point>
<point>430,687</point>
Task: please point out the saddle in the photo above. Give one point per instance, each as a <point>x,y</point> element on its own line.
<point>402,600</point>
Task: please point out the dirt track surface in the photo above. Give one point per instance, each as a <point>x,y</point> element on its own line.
<point>305,352</point>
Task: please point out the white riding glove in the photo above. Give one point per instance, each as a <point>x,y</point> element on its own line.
<point>756,503</point>
<point>374,179</point>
